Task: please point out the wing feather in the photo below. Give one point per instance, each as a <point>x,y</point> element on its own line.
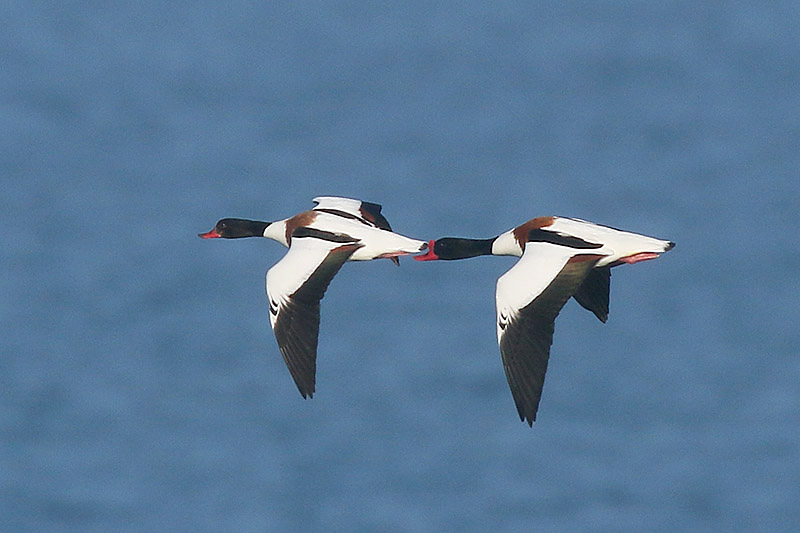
<point>296,284</point>
<point>593,293</point>
<point>529,297</point>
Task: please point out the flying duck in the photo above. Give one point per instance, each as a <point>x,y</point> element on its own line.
<point>320,241</point>
<point>559,257</point>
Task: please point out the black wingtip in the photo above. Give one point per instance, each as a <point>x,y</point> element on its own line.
<point>395,260</point>
<point>524,417</point>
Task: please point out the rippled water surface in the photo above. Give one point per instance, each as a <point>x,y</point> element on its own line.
<point>142,389</point>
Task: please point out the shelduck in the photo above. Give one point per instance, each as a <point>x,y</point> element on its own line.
<point>559,258</point>
<point>320,241</point>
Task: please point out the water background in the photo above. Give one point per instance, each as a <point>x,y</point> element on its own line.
<point>141,388</point>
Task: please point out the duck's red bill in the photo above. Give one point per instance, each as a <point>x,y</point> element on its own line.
<point>429,255</point>
<point>210,235</point>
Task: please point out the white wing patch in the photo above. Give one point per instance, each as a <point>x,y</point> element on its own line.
<point>537,268</point>
<point>348,205</point>
<point>290,273</point>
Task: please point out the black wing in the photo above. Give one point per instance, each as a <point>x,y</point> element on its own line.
<point>593,293</point>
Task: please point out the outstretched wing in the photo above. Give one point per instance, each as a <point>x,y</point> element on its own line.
<point>295,287</point>
<point>366,211</point>
<point>529,297</point>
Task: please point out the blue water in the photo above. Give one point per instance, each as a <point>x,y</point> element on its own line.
<point>142,389</point>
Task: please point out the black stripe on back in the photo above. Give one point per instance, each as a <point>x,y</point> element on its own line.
<point>322,234</point>
<point>542,235</point>
<point>345,214</point>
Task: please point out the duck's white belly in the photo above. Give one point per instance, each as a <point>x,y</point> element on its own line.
<point>376,242</point>
<point>617,244</point>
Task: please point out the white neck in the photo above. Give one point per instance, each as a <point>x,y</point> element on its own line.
<point>506,244</point>
<point>277,232</point>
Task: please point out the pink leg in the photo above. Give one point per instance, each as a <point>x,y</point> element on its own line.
<point>638,258</point>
